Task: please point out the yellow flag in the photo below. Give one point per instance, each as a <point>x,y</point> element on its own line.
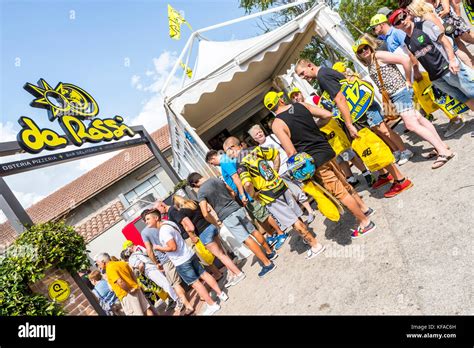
<point>188,70</point>
<point>175,20</point>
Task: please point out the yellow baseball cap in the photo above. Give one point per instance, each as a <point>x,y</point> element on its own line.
<point>127,244</point>
<point>340,67</point>
<point>294,90</point>
<point>271,99</point>
<point>359,43</point>
<point>378,19</point>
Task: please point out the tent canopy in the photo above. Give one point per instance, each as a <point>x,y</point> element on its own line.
<point>231,78</point>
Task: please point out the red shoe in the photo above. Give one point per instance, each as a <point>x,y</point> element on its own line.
<point>397,188</point>
<point>382,181</point>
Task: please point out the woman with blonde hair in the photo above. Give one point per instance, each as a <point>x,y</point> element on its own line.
<point>198,228</point>
<point>388,135</point>
<point>454,30</point>
<point>384,72</point>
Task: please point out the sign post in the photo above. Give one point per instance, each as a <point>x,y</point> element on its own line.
<point>71,106</point>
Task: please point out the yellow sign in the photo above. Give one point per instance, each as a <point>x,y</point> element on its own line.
<point>59,290</point>
<point>70,106</point>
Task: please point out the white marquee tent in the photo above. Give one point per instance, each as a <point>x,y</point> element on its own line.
<point>230,78</point>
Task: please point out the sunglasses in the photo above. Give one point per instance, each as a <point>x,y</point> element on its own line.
<point>230,147</point>
<point>362,49</point>
<point>401,17</point>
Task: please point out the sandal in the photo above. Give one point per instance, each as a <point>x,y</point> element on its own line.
<point>441,161</point>
<point>429,155</point>
<point>188,312</point>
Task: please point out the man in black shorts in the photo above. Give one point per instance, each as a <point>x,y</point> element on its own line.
<point>329,81</point>
<point>297,131</point>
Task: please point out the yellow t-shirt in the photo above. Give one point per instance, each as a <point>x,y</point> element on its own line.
<point>120,269</point>
<point>254,168</point>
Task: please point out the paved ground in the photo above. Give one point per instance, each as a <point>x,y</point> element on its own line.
<point>418,261</point>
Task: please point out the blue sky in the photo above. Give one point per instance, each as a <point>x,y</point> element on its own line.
<point>118,51</point>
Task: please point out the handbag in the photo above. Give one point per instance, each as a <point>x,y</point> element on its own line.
<point>203,253</point>
<point>389,110</point>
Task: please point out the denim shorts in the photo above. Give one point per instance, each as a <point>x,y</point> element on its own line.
<point>403,100</point>
<point>459,86</point>
<point>191,270</point>
<point>239,225</point>
<point>345,156</point>
<point>207,236</point>
<point>374,115</point>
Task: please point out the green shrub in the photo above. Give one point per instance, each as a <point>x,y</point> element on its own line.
<point>40,247</point>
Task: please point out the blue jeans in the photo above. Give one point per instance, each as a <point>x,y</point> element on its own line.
<point>459,86</point>
<point>374,115</point>
<point>207,236</point>
<point>403,100</point>
<point>191,270</point>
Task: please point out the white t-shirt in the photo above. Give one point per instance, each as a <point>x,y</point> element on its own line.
<point>272,141</point>
<point>169,230</point>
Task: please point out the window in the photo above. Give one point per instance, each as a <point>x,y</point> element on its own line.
<point>151,189</point>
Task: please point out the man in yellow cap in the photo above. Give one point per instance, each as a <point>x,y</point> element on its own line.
<point>297,131</point>
<point>296,96</point>
<point>394,39</point>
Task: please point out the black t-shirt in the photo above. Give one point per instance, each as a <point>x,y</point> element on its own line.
<point>200,224</point>
<point>426,51</point>
<point>329,81</point>
<point>306,135</point>
<point>175,216</point>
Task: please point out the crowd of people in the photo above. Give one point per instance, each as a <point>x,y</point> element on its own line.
<point>258,200</point>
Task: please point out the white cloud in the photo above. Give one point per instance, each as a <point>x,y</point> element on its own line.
<point>27,198</point>
<point>153,115</point>
<point>8,131</point>
<point>89,163</point>
<point>135,80</point>
<point>3,217</point>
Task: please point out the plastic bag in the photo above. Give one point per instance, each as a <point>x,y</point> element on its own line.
<point>325,204</point>
<point>372,150</point>
<point>204,254</point>
<point>336,137</point>
<point>425,100</point>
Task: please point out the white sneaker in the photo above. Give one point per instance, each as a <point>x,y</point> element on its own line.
<point>404,157</point>
<point>397,155</point>
<point>313,252</point>
<point>223,296</point>
<point>230,280</point>
<point>237,279</point>
<point>210,310</point>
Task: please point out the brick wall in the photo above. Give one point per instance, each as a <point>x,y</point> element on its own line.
<point>76,304</point>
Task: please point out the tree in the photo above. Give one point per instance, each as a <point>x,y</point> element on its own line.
<point>357,13</point>
<point>39,248</point>
<point>316,50</point>
<point>277,19</point>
